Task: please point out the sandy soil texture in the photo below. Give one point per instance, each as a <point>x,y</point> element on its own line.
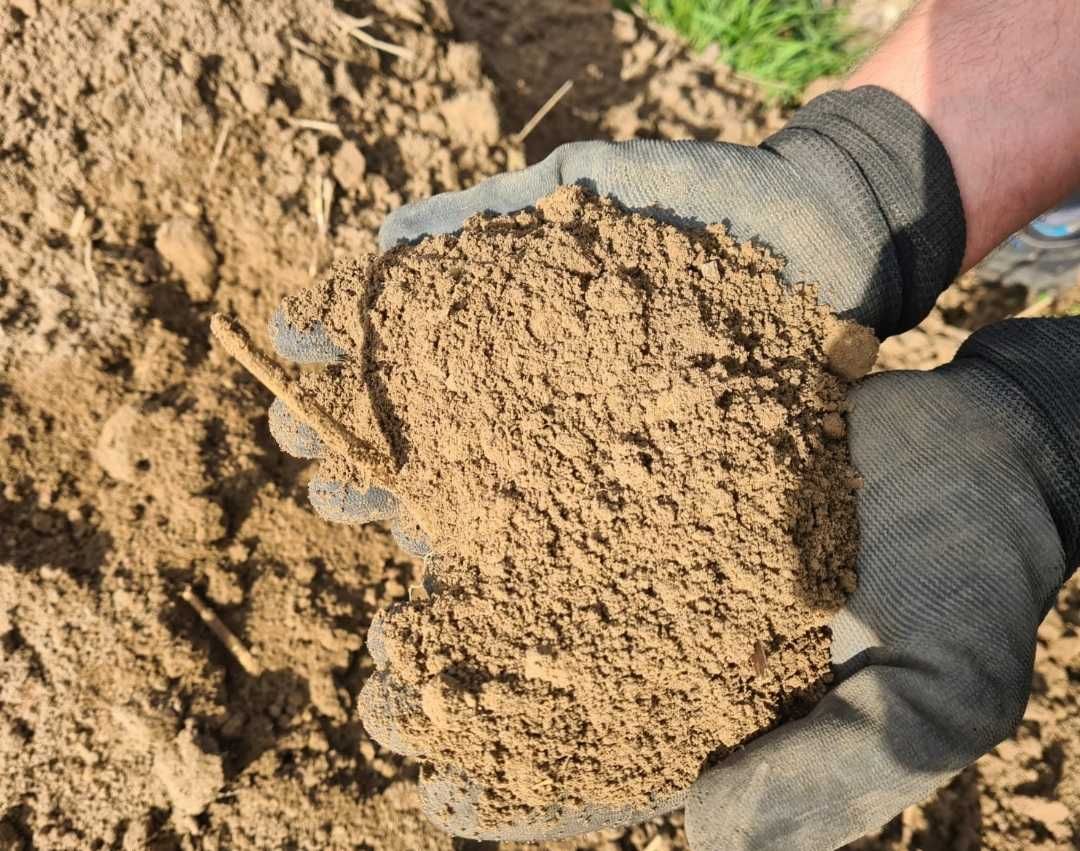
<point>160,160</point>
<point>626,445</point>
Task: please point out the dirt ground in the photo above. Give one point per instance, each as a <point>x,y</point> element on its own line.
<point>162,160</point>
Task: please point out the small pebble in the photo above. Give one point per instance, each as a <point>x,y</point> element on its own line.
<point>254,97</point>
<point>349,166</point>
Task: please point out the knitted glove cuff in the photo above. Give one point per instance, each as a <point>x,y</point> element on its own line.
<point>909,177</point>
<point>1034,374</point>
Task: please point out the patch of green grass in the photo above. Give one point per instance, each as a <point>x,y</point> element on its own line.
<point>782,44</point>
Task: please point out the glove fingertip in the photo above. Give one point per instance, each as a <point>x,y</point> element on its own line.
<point>311,345</point>
<point>383,707</point>
<point>503,193</point>
<point>294,437</point>
<point>340,502</point>
<point>448,799</point>
<point>376,640</point>
<point>409,536</point>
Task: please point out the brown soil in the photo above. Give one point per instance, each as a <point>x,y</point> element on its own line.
<point>129,472</point>
<point>153,166</point>
<point>624,444</point>
<point>631,80</point>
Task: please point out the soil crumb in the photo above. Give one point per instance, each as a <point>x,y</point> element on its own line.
<point>626,444</point>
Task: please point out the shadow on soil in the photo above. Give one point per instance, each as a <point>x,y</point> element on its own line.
<point>257,710</point>
<point>32,537</point>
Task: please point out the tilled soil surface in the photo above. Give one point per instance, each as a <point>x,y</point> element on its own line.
<point>158,161</point>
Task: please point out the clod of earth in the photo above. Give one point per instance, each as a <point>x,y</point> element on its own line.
<point>182,244</point>
<point>626,444</point>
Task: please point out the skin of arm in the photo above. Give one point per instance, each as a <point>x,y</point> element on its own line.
<point>1000,84</point>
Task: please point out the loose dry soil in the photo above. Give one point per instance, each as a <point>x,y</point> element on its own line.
<point>625,445</point>
<point>161,160</point>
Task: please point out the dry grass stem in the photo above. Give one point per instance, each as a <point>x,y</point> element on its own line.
<point>385,46</point>
<point>328,204</point>
<point>324,203</point>
<point>219,148</point>
<point>328,127</point>
<point>233,644</point>
<point>75,229</point>
<point>91,275</point>
<point>549,105</point>
<point>376,463</point>
<point>321,205</point>
<point>356,28</point>
<point>348,22</point>
<point>307,50</point>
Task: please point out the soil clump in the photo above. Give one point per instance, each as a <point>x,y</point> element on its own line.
<point>626,445</point>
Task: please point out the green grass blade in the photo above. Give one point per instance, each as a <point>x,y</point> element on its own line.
<point>784,44</point>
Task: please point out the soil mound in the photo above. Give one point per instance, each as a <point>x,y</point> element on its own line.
<point>626,444</point>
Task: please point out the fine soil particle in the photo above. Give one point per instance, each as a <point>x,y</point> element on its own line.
<point>626,444</point>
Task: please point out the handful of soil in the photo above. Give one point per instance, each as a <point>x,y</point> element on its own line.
<point>626,444</point>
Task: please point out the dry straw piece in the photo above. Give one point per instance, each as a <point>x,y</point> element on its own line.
<point>238,343</point>
<point>355,27</point>
<point>219,148</point>
<point>233,644</point>
<point>538,116</point>
<point>328,127</point>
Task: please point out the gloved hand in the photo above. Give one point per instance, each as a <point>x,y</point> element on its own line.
<point>969,512</point>
<point>856,193</point>
<point>969,524</point>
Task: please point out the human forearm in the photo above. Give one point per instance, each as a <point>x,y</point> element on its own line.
<point>998,82</point>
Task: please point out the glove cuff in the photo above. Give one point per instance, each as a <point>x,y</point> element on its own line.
<point>910,178</point>
<point>1033,370</point>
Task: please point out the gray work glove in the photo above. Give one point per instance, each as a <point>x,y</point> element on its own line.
<point>856,193</point>
<point>970,523</point>
<point>968,514</point>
